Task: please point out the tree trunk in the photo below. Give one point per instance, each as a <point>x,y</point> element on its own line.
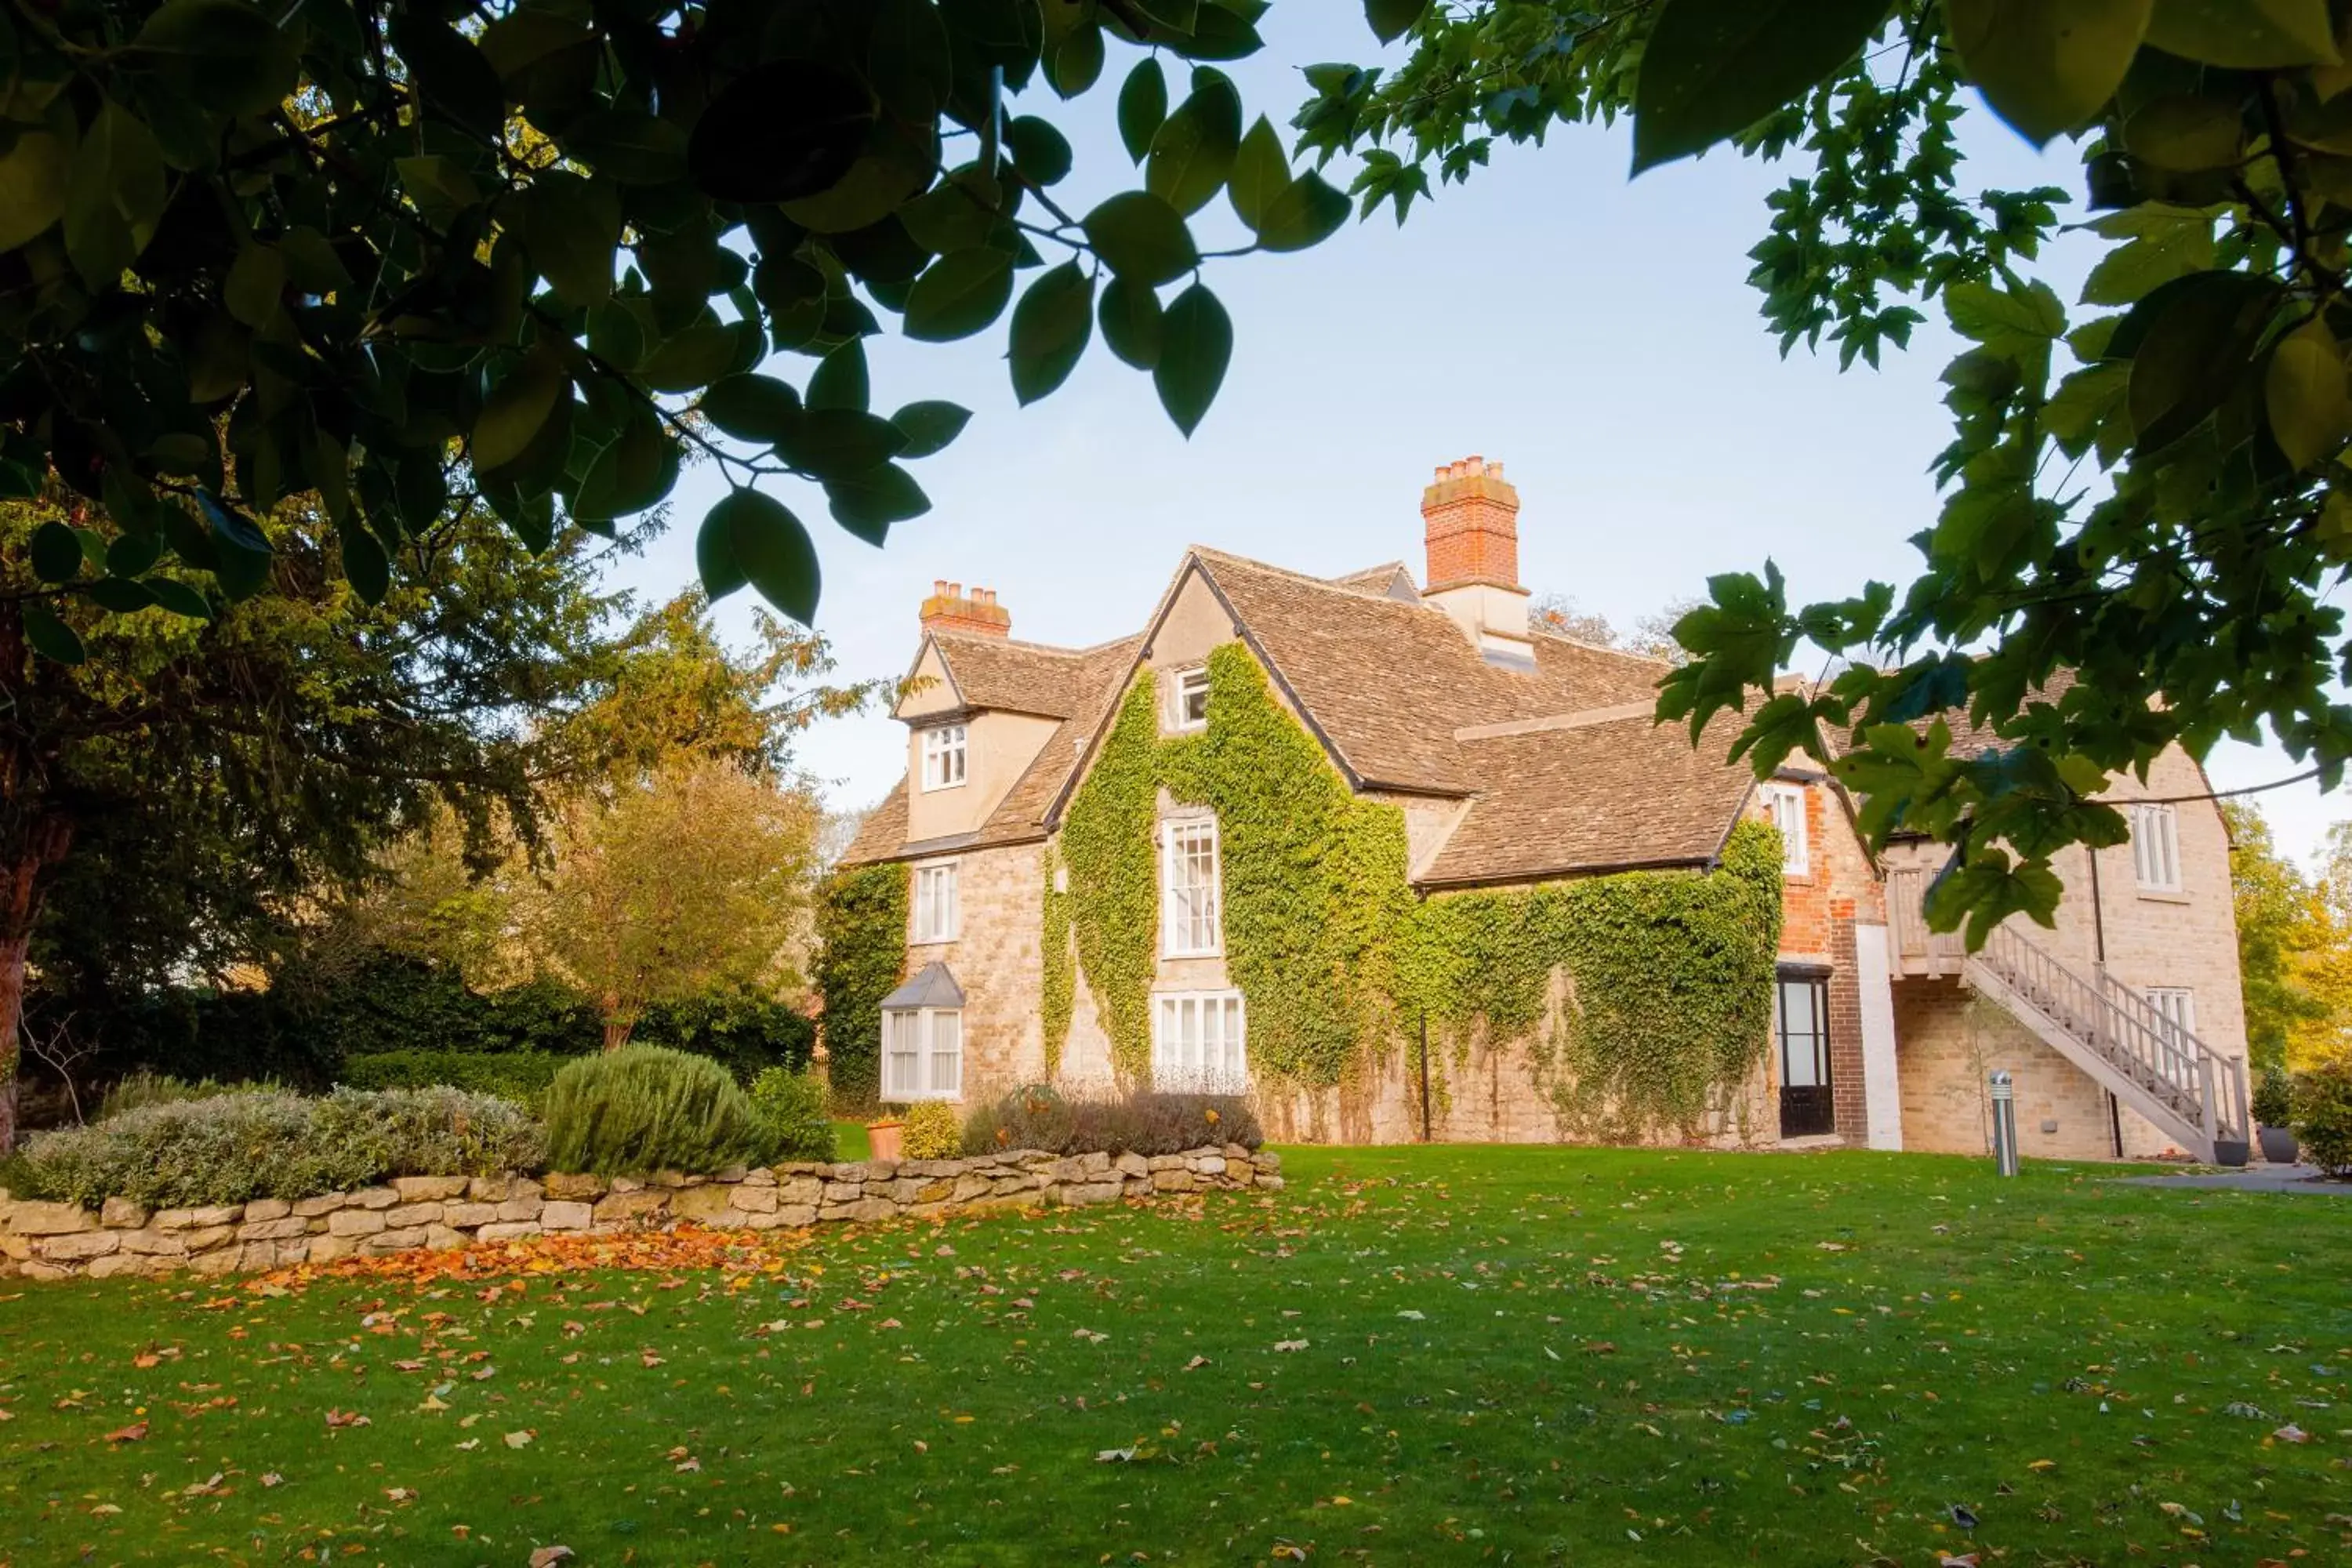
<point>20,905</point>
<point>619,1022</point>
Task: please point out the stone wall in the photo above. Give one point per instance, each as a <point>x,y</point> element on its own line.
<point>60,1241</point>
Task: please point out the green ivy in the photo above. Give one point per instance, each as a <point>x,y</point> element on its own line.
<point>1058,965</point>
<point>1669,973</point>
<point>861,957</point>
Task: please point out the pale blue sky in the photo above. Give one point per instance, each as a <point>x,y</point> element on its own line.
<point>1596,334</point>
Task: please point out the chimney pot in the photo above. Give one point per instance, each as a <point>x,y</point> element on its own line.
<point>1471,520</point>
<point>950,608</point>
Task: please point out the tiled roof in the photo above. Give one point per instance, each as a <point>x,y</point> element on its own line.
<point>1596,792</point>
<point>1012,677</point>
<point>1381,581</point>
<point>883,832</point>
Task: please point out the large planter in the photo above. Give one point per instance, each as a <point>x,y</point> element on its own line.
<point>882,1138</point>
<point>2279,1147</point>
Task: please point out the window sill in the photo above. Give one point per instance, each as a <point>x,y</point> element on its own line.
<point>932,941</point>
<point>934,1098</point>
<point>2164,896</point>
<point>941,789</point>
<point>1204,953</point>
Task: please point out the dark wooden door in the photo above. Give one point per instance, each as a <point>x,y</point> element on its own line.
<point>1801,1016</point>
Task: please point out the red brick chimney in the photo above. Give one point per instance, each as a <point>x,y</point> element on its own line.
<point>1471,515</point>
<point>1471,519</point>
<point>950,609</point>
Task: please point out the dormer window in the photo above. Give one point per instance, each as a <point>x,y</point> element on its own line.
<point>1187,707</point>
<point>943,756</point>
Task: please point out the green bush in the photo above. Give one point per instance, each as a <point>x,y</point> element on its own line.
<point>2274,1098</point>
<point>145,1087</point>
<point>747,1035</point>
<point>932,1131</point>
<point>792,1104</point>
<point>648,1108</point>
<point>267,1143</point>
<point>520,1076</point>
<point>1136,1121</point>
<point>2322,1116</point>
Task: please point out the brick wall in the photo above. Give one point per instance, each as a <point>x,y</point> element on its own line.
<point>995,958</point>
<point>1949,1040</point>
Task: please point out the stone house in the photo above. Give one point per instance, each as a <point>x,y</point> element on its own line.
<point>1518,758</point>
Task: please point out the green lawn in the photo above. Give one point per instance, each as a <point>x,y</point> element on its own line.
<point>1457,1354</point>
<point>850,1141</point>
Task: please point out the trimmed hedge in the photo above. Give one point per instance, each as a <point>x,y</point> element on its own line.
<point>792,1104</point>
<point>523,1077</point>
<point>233,1148</point>
<point>931,1132</point>
<point>1139,1121</point>
<point>648,1108</point>
<point>2322,1116</point>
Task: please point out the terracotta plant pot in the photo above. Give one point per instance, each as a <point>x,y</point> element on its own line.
<point>882,1138</point>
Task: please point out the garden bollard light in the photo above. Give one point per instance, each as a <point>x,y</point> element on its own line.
<point>2004,1122</point>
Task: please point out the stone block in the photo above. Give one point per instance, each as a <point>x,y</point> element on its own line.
<point>278,1229</point>
<point>429,1189</point>
<point>1176,1181</point>
<point>617,1207</point>
<point>465,1216</point>
<point>1079,1194</point>
<point>1209,1166</point>
<point>759,1176</point>
<point>1239,1172</point>
<point>19,1247</point>
<point>1167,1162</point>
<point>1269,1184</point>
<point>328,1248</point>
<point>36,1270</point>
<point>1133,1164</point>
<point>1269,1159</point>
<point>704,1205</point>
<point>796,1215</point>
<point>219,1260</point>
<point>130,1263</point>
<point>871,1170</point>
<point>375,1198</point>
<point>121,1213</point>
<point>318,1207</point>
<point>508,1230</point>
<point>77,1246</point>
<point>1096,1164</point>
<point>574,1188</point>
<point>626,1184</point>
<point>859,1209</point>
<point>732,1174</point>
<point>219,1214</point>
<point>266,1209</point>
<point>385,1241</point>
<point>970,1186</point>
<point>905,1189</point>
<point>521,1210</point>
<point>407,1216</point>
<point>354,1222</point>
<point>936,1192</point>
<point>669,1179</point>
<point>441,1238</point>
<point>566,1217</point>
<point>206,1238</point>
<point>801,1189</point>
<point>1007,1186</point>
<point>173,1219</point>
<point>843,1191</point>
<point>155,1243</point>
<point>762,1219</point>
<point>753,1198</point>
<point>47,1219</point>
<point>489,1189</point>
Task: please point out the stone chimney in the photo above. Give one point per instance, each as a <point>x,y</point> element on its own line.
<point>1470,515</point>
<point>950,609</point>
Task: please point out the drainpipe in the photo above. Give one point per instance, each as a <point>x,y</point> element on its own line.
<point>2099,968</point>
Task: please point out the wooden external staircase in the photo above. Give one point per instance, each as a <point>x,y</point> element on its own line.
<point>2165,1072</point>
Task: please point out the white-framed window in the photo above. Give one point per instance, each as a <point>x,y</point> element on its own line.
<point>922,1054</point>
<point>2156,847</point>
<point>1784,805</point>
<point>1190,888</point>
<point>943,756</point>
<point>1188,699</point>
<point>938,914</point>
<point>2177,1006</point>
<point>1199,1040</point>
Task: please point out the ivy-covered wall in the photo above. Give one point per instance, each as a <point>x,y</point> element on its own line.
<point>1669,974</point>
<point>861,956</point>
<point>1058,963</point>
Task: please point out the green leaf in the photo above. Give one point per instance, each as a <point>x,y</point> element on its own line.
<point>1142,237</point>
<point>51,637</point>
<point>1308,213</point>
<point>753,407</point>
<point>1193,150</point>
<point>1050,329</point>
<point>56,553</point>
<point>451,74</point>
<point>1260,173</point>
<point>1076,62</point>
<point>2047,66</point>
<point>570,227</point>
<point>121,595</point>
<point>867,504</point>
<point>1196,344</point>
<point>2179,131</point>
<point>227,54</point>
<point>2161,242</point>
<point>631,473</point>
<point>929,427</point>
<point>782,131</point>
<point>1142,105</point>
<point>629,145</point>
<point>365,566</point>
<point>769,549</point>
<point>516,409</point>
<point>2190,344</point>
<point>960,294</point>
<point>835,442</point>
<point>1132,322</point>
<point>256,287</point>
<point>1040,151</point>
<point>180,599</point>
<point>691,358</point>
<point>2304,396</point>
<point>714,555</point>
<point>841,381</point>
<point>1390,18</point>
<point>36,177</point>
<point>116,196</point>
<point>1714,67</point>
<point>2247,35</point>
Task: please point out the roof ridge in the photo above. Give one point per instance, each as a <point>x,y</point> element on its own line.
<point>1537,629</point>
<point>1578,719</point>
<point>1329,585</point>
<point>989,639</point>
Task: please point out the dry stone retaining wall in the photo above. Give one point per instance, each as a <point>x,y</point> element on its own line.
<point>64,1240</point>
